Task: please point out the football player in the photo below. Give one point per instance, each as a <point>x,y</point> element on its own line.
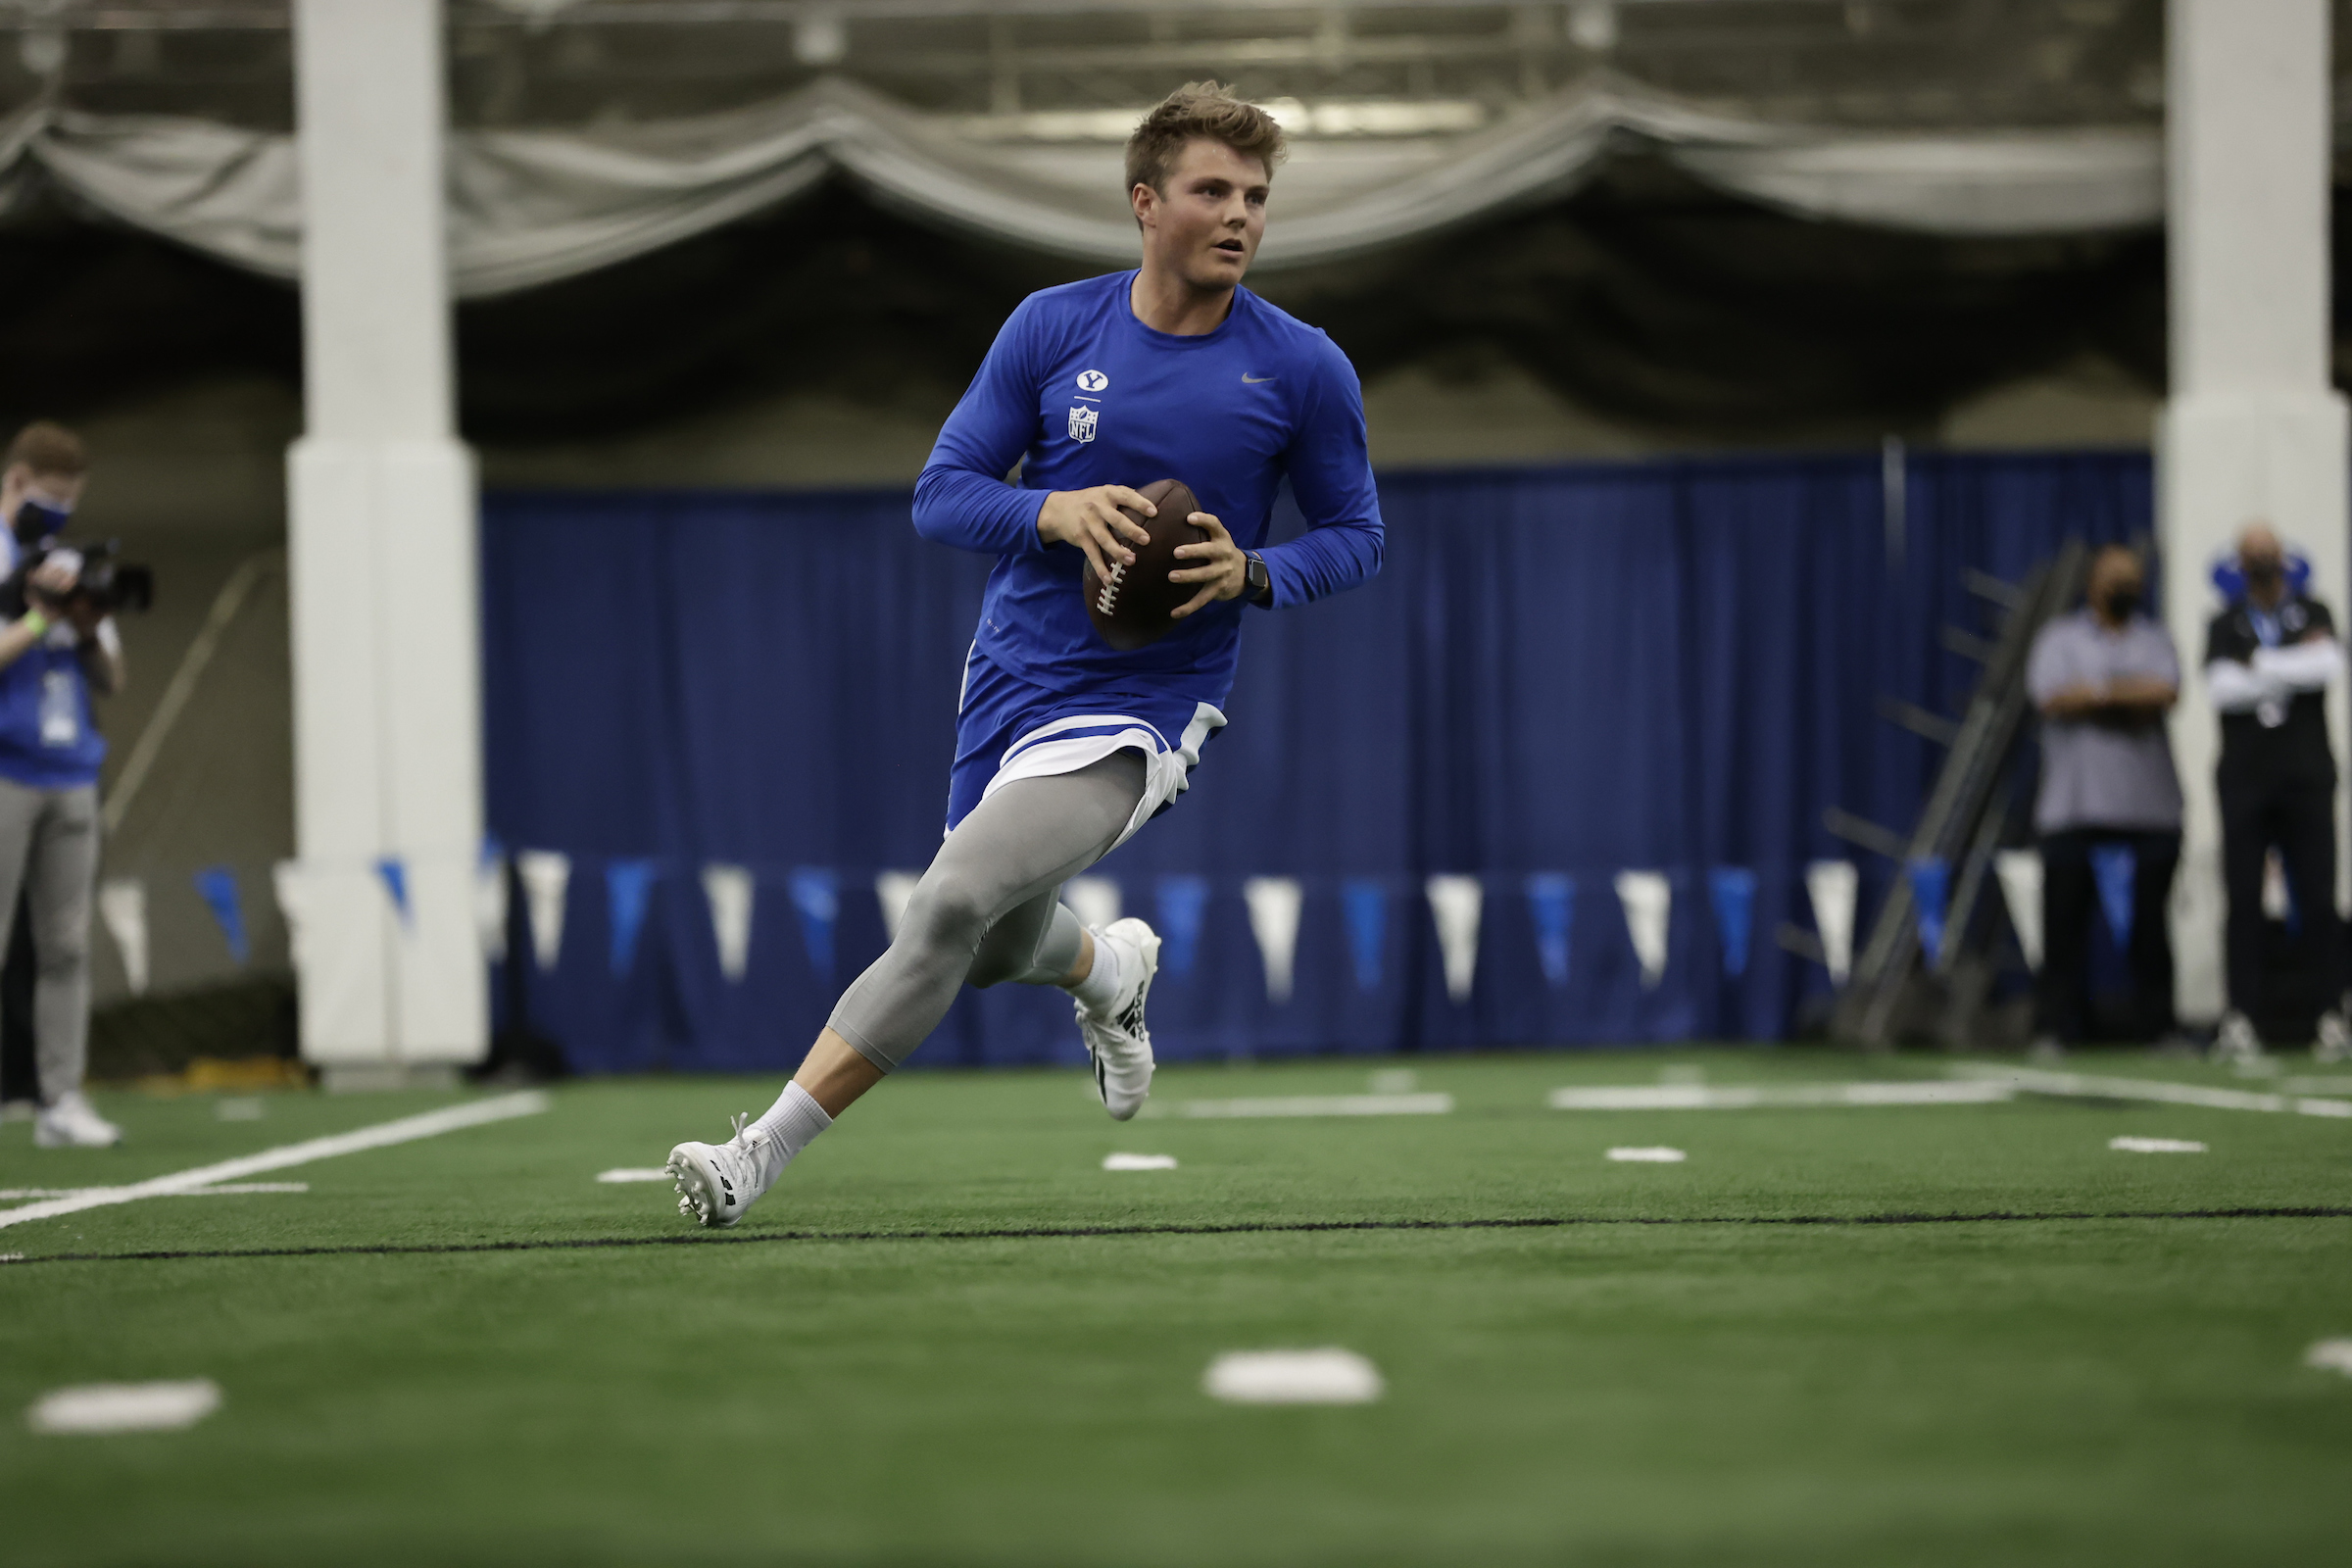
<point>1065,747</point>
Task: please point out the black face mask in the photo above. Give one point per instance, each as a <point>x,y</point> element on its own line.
<point>2121,603</point>
<point>36,520</point>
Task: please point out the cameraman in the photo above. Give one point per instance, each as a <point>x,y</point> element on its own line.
<point>55,648</point>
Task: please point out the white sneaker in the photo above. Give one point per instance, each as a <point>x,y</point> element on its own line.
<point>2236,1043</point>
<point>718,1182</point>
<point>2336,1039</point>
<point>72,1123</point>
<point>1115,1038</point>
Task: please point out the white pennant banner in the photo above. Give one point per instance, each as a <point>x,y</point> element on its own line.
<point>892,890</point>
<point>2020,871</point>
<point>490,906</point>
<point>1649,899</point>
<point>286,881</point>
<point>1274,920</point>
<point>122,905</point>
<point>1275,905</point>
<point>546,877</point>
<point>1095,900</point>
<point>1455,904</point>
<point>730,892</point>
<point>1834,886</point>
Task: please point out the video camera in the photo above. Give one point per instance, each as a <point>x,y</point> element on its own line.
<point>106,582</point>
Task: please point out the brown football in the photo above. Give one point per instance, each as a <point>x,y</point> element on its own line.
<point>1132,609</point>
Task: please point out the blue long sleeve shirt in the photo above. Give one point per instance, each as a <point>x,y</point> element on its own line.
<point>1079,393</point>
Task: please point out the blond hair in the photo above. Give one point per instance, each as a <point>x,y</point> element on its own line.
<point>1195,110</point>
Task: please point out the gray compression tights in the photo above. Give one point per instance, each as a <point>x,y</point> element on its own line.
<point>988,910</point>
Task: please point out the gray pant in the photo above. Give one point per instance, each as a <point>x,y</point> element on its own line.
<point>49,850</point>
<point>989,910</point>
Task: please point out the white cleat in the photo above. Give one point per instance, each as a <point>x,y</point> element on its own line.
<point>1116,1038</point>
<point>2236,1044</point>
<point>2335,1044</point>
<point>718,1182</point>
<point>72,1123</point>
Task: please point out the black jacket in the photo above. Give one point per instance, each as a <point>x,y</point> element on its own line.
<point>2293,749</point>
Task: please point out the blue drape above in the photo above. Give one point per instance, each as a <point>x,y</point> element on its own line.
<point>1562,674</point>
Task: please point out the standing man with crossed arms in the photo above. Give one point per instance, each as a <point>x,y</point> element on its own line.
<point>1065,747</point>
<point>2269,659</point>
<point>2104,679</point>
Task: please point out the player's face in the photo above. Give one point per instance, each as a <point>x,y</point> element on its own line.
<point>1205,229</point>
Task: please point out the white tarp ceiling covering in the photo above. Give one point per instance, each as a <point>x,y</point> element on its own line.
<point>531,207</point>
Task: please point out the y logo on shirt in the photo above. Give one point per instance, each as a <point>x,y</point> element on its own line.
<point>1082,416</point>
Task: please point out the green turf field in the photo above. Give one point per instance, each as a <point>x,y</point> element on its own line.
<point>1660,1379</point>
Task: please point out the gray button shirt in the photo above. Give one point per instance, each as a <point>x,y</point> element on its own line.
<point>2100,772</point>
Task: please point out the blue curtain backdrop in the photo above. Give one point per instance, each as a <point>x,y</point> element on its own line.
<point>1562,673</point>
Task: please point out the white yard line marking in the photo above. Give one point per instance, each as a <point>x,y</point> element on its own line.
<point>2156,1146</point>
<point>1701,1096</point>
<point>233,1190</point>
<point>1292,1377</point>
<point>634,1173</point>
<point>2322,1084</point>
<point>408,1129</point>
<point>124,1406</point>
<point>1139,1161</point>
<point>2097,1085</point>
<point>2330,1355</point>
<point>1322,1105</point>
<point>1659,1156</point>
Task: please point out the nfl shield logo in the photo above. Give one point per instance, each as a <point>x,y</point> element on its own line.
<point>1082,424</point>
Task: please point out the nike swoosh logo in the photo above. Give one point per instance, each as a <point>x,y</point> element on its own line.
<point>1254,380</point>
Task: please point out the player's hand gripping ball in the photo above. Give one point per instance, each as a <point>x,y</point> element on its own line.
<point>1136,606</point>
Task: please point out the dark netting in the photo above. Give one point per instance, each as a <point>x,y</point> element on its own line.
<point>148,1036</point>
<point>1645,298</point>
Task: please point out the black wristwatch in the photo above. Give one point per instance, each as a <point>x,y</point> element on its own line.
<point>1261,582</point>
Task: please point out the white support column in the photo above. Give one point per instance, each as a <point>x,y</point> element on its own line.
<point>387,702</point>
<point>2254,430</point>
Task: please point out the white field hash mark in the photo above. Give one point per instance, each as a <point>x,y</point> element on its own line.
<point>1701,1096</point>
<point>97,1408</point>
<point>1139,1161</point>
<point>2156,1146</point>
<point>634,1173</point>
<point>1329,1376</point>
<point>408,1129</point>
<point>2330,1355</point>
<point>1322,1105</point>
<point>1659,1155</point>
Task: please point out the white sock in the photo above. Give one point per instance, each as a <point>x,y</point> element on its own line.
<point>793,1120</point>
<point>1100,987</point>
